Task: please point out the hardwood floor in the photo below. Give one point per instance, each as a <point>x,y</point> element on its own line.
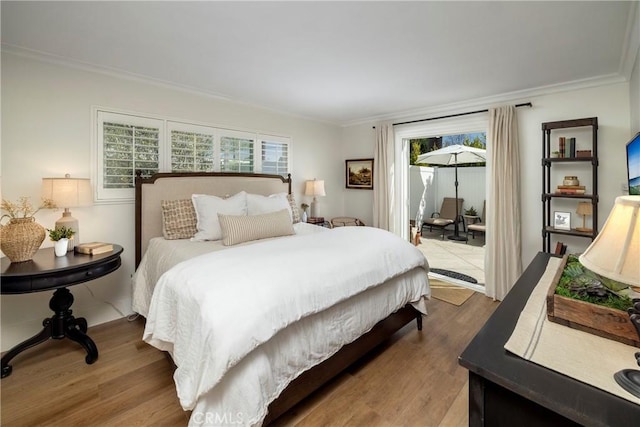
<point>412,380</point>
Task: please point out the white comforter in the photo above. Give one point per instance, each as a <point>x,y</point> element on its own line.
<point>194,310</point>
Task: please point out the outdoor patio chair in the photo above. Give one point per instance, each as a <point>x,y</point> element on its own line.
<point>446,216</point>
<point>478,226</point>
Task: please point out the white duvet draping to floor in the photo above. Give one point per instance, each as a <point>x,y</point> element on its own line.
<point>213,311</point>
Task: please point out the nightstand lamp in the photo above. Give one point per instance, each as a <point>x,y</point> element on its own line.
<point>585,209</point>
<point>614,254</point>
<point>314,188</point>
<point>68,193</point>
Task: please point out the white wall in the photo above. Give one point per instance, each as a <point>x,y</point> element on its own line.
<point>634,93</point>
<point>610,103</point>
<point>46,117</point>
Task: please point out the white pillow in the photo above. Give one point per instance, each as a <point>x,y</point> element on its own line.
<point>258,204</point>
<point>207,210</point>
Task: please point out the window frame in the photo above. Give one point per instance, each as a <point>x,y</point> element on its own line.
<point>120,194</point>
<point>165,127</point>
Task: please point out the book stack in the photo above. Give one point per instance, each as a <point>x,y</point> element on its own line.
<point>570,189</point>
<point>93,248</point>
<point>561,249</point>
<point>567,147</point>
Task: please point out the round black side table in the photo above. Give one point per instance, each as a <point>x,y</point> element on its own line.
<point>45,272</point>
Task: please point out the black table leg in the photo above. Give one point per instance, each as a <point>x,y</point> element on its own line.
<point>61,324</point>
<point>40,337</point>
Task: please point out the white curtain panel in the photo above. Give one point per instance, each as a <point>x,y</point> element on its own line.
<point>383,161</point>
<point>503,263</point>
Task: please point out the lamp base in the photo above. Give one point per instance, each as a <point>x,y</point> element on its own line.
<point>584,229</point>
<point>629,379</point>
<point>314,208</point>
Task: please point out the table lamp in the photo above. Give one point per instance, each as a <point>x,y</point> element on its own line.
<point>614,254</point>
<point>68,193</point>
<point>585,209</point>
<point>314,188</point>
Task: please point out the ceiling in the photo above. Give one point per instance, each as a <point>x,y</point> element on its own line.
<point>340,62</point>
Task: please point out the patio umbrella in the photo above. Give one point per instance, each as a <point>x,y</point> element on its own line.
<point>454,155</point>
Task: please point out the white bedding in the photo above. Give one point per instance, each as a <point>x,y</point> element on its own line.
<point>163,254</point>
<point>232,362</point>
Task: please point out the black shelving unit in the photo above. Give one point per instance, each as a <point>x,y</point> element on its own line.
<point>549,194</point>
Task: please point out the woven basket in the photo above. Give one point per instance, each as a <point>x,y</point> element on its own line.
<point>21,238</point>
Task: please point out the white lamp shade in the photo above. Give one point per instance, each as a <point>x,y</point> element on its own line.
<point>615,253</point>
<point>314,188</point>
<point>67,192</point>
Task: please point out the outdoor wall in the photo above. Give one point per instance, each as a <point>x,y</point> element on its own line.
<point>434,184</point>
<point>46,132</point>
<point>422,188</point>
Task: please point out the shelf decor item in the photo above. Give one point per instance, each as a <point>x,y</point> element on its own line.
<point>562,220</point>
<point>585,209</point>
<point>21,237</point>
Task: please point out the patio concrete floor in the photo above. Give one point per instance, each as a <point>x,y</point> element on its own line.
<point>465,258</point>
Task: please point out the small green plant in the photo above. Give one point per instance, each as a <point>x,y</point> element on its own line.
<point>304,206</point>
<point>60,233</point>
<point>471,211</point>
<point>582,284</point>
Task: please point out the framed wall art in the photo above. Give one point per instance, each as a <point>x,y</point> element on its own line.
<point>359,174</point>
<point>562,220</point>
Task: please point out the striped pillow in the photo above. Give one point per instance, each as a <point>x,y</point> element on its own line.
<point>178,219</point>
<point>243,228</point>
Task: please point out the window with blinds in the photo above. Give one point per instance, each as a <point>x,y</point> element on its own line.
<point>236,154</point>
<point>191,151</point>
<point>126,149</point>
<point>128,143</point>
<point>275,157</point>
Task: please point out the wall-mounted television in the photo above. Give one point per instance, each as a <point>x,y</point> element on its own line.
<point>633,165</point>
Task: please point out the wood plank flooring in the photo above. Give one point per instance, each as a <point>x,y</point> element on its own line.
<point>412,380</point>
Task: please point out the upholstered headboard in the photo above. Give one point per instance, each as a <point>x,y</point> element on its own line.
<point>172,186</point>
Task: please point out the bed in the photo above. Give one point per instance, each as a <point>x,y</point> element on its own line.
<point>243,356</point>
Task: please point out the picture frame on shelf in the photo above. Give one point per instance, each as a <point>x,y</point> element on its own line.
<point>359,174</point>
<point>562,220</point>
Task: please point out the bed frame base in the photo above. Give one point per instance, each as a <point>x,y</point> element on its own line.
<point>320,374</point>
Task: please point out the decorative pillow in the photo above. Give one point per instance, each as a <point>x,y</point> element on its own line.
<point>207,209</point>
<point>238,229</point>
<point>258,204</point>
<point>178,219</point>
<point>295,213</point>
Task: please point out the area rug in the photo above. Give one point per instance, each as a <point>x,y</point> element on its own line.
<point>447,292</point>
<point>453,275</point>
